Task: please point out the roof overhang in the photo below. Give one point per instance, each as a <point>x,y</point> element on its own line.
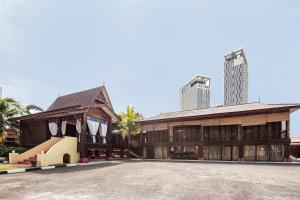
<point>224,114</point>
<point>74,110</point>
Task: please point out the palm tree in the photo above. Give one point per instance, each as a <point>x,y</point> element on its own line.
<point>9,108</point>
<point>128,123</point>
<point>31,109</point>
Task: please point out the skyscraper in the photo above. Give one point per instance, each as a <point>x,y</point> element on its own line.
<point>235,78</point>
<point>195,94</point>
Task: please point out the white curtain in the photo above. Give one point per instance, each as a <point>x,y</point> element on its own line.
<point>103,132</point>
<point>63,127</point>
<point>78,128</point>
<point>283,125</point>
<point>93,127</point>
<point>53,128</point>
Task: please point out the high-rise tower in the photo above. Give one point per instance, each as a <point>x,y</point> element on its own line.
<point>235,78</point>
<point>195,94</point>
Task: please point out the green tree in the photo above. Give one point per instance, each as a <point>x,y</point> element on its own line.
<point>128,123</point>
<point>31,109</point>
<point>9,108</point>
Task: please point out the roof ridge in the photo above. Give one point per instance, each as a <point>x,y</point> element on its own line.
<point>223,106</point>
<point>84,97</point>
<point>81,91</point>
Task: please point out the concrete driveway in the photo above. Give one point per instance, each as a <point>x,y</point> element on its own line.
<point>156,180</point>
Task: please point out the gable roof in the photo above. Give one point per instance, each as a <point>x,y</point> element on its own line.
<point>76,103</point>
<point>223,110</point>
<point>84,98</point>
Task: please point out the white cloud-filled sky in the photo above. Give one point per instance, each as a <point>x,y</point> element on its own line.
<point>144,51</point>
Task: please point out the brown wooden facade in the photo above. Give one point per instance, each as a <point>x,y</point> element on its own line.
<point>36,131</point>
<point>81,106</point>
<point>255,135</point>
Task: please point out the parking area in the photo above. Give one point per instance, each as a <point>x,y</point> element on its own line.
<point>156,180</point>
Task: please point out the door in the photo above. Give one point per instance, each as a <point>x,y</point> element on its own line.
<point>150,153</point>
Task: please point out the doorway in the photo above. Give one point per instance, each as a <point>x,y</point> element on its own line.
<point>66,158</point>
<point>71,129</point>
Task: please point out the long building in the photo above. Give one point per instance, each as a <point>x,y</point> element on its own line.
<point>235,78</point>
<point>252,132</point>
<point>195,94</point>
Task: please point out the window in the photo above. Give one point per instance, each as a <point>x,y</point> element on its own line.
<point>251,132</point>
<point>157,136</point>
<point>275,128</point>
<point>187,134</point>
<point>214,133</point>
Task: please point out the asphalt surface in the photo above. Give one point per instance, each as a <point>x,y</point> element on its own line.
<point>155,180</point>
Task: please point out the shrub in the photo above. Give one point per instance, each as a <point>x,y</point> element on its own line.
<point>4,150</point>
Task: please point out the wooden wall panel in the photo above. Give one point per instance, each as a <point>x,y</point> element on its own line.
<point>147,127</point>
<point>193,123</point>
<point>211,122</point>
<point>276,117</point>
<point>230,121</point>
<point>160,126</point>
<point>253,120</point>
<point>176,123</point>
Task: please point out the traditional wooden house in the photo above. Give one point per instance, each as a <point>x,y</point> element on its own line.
<point>253,132</point>
<point>76,126</point>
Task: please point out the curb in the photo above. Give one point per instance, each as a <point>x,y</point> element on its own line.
<point>50,167</point>
<point>36,169</point>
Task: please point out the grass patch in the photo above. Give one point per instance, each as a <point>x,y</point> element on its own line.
<point>5,167</point>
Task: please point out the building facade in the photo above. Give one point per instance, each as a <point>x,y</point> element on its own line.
<point>195,94</point>
<point>235,78</point>
<point>295,147</point>
<point>250,132</point>
<point>81,122</point>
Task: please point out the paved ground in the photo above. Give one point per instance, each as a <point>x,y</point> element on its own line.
<point>156,180</point>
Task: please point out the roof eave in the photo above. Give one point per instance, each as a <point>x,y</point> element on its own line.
<point>50,113</point>
<point>259,111</point>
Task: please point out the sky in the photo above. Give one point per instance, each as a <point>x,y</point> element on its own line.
<point>144,51</point>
